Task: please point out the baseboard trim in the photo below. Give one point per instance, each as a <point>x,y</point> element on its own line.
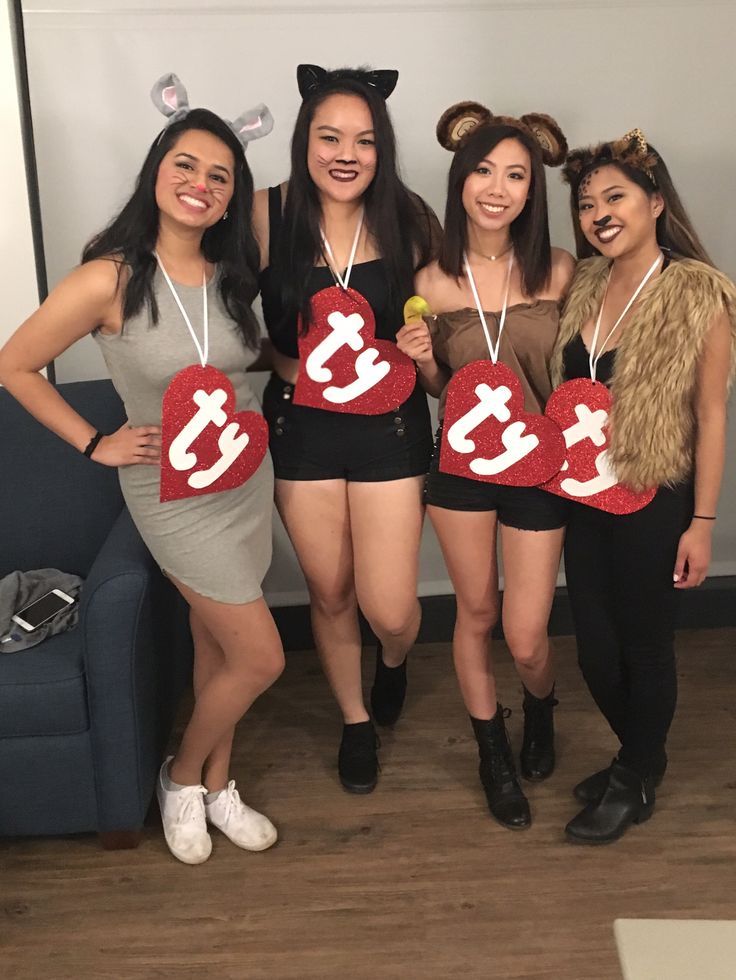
<point>711,606</point>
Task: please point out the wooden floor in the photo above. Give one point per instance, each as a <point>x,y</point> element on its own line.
<point>414,881</point>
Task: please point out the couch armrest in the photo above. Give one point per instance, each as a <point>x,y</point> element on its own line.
<point>117,633</point>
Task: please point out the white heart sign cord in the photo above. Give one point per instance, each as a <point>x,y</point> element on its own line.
<point>493,351</point>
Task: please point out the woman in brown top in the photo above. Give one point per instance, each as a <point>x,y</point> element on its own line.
<point>496,256</point>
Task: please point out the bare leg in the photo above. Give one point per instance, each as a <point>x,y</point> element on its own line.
<point>386,527</point>
<point>209,658</point>
<point>468,542</point>
<point>531,560</point>
<point>252,660</point>
<point>315,514</point>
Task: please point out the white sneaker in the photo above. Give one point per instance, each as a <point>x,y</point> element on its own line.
<point>183,817</point>
<point>244,826</point>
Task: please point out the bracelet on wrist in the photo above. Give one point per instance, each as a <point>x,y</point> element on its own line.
<point>92,444</point>
<point>702,517</point>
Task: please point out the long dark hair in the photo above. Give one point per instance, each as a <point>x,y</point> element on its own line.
<point>675,231</point>
<point>130,238</point>
<point>529,230</point>
<point>399,221</point>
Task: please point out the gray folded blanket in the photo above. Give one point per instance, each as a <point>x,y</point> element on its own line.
<point>19,589</point>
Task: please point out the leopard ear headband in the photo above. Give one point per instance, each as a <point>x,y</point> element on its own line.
<point>170,98</point>
<point>632,150</point>
<point>462,119</point>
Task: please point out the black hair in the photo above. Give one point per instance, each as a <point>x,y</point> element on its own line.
<point>529,230</point>
<point>130,238</point>
<point>399,221</point>
<point>675,231</point>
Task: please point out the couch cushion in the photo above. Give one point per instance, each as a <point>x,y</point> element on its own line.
<point>56,506</point>
<point>42,690</point>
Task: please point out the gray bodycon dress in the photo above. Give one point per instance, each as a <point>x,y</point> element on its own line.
<point>218,544</point>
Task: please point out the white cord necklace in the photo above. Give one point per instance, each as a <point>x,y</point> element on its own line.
<point>594,357</point>
<point>344,279</point>
<point>202,351</point>
<point>493,351</point>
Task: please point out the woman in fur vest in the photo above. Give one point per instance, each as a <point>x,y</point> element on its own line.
<point>649,316</point>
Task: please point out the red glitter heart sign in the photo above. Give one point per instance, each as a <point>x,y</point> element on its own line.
<point>581,408</point>
<point>342,367</point>
<point>488,436</point>
<point>206,446</point>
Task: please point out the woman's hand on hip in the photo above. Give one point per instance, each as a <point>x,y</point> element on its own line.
<point>130,444</point>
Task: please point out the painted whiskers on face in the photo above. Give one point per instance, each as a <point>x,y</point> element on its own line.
<point>195,181</point>
<point>616,215</point>
<point>341,154</point>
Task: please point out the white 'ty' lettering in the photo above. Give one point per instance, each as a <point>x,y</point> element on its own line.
<point>345,332</point>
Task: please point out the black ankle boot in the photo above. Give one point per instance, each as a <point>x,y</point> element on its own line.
<point>538,748</point>
<point>388,691</point>
<point>592,789</point>
<point>627,799</point>
<point>506,800</point>
<point>357,760</point>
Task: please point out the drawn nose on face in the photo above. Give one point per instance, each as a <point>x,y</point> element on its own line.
<point>200,187</point>
<point>602,222</point>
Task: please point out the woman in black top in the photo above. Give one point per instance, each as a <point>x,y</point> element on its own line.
<point>348,486</point>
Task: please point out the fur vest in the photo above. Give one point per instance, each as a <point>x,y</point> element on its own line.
<point>652,424</point>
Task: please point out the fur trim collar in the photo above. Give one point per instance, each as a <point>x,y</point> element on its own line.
<point>653,385</point>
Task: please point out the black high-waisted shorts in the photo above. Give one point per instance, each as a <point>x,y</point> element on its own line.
<point>525,508</point>
<point>312,444</point>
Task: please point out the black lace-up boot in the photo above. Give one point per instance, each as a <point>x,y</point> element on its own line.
<point>506,800</point>
<point>538,748</point>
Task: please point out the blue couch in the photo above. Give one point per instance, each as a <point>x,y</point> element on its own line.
<point>85,715</point>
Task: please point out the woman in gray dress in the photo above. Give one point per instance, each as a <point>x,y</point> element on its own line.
<point>168,284</point>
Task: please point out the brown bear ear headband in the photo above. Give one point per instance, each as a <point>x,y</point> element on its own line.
<point>632,150</point>
<point>312,79</point>
<point>460,120</point>
<point>170,97</point>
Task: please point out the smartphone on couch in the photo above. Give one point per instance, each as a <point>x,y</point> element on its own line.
<point>41,610</point>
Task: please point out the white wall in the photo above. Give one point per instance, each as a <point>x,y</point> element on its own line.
<point>18,285</point>
<point>599,67</point>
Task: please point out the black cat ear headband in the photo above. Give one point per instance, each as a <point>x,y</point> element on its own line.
<point>312,79</point>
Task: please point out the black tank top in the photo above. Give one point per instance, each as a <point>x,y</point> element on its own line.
<point>575,362</point>
<point>575,356</point>
<point>367,278</point>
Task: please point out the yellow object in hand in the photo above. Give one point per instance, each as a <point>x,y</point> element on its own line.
<point>415,308</point>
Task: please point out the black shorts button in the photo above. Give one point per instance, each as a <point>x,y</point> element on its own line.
<point>399,432</point>
<point>280,420</point>
<point>286,395</point>
<point>398,420</point>
<point>279,431</point>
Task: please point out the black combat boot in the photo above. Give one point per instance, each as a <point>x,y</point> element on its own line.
<point>506,800</point>
<point>538,748</point>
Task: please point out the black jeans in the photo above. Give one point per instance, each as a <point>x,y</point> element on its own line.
<point>619,577</point>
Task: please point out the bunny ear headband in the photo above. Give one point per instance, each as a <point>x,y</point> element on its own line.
<point>462,119</point>
<point>170,97</point>
<point>312,78</point>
